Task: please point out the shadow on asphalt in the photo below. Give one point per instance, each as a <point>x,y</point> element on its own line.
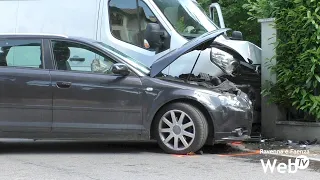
<point>95,147</point>
<point>74,147</point>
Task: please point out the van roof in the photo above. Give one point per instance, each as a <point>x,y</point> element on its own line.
<point>45,36</point>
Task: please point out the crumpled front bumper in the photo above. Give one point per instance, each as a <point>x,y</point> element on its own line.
<point>232,123</point>
<point>227,129</point>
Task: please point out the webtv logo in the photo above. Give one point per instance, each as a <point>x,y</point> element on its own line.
<point>301,162</point>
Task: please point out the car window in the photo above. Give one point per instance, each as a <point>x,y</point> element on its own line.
<point>71,56</point>
<point>21,53</point>
<point>127,24</point>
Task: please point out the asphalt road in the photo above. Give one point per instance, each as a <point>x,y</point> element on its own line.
<point>93,161</point>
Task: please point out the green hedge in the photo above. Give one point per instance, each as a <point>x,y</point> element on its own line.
<point>298,46</point>
<point>298,55</point>
<point>237,19</point>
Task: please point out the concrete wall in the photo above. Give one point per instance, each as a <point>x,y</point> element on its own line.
<point>273,118</point>
<point>269,113</point>
<point>297,131</point>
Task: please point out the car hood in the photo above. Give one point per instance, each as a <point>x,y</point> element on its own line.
<point>201,42</point>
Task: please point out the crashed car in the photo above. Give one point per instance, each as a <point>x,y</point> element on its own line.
<point>77,88</point>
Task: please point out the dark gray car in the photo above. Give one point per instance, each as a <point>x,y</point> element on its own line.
<point>56,87</point>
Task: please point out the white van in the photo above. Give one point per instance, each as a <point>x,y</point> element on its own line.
<point>142,29</point>
<point>118,23</point>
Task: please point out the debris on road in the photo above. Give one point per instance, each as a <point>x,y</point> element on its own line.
<point>307,142</point>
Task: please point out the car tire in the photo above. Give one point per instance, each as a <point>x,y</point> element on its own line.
<point>180,128</point>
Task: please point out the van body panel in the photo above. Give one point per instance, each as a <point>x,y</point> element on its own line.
<point>51,17</point>
<point>9,21</point>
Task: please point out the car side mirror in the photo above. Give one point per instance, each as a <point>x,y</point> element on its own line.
<point>120,69</point>
<point>237,35</point>
<point>155,36</point>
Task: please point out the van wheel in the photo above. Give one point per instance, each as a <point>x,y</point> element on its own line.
<point>180,128</point>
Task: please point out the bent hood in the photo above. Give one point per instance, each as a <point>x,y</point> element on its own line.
<point>201,42</point>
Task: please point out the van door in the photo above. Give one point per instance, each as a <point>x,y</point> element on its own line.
<point>123,24</point>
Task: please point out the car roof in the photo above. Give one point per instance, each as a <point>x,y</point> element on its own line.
<point>44,36</point>
<point>30,35</point>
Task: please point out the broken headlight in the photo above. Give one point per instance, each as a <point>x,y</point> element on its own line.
<point>229,100</point>
<point>225,61</point>
<point>234,102</point>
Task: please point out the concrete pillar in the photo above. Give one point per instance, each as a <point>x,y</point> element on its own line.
<point>268,38</point>
<point>270,112</point>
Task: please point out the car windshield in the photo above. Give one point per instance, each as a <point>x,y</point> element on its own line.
<point>187,17</point>
<point>133,62</point>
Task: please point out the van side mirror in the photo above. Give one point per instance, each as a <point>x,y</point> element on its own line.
<point>120,69</point>
<point>155,36</point>
<point>237,35</point>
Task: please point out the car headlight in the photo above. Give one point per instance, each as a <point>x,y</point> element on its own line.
<point>225,61</point>
<point>245,97</point>
<point>229,100</point>
<point>233,101</point>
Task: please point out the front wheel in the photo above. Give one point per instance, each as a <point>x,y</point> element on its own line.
<point>180,128</point>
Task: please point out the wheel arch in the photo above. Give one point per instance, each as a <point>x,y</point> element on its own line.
<point>191,102</point>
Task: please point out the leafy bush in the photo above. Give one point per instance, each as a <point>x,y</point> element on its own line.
<point>236,18</point>
<point>297,53</point>
<point>259,9</point>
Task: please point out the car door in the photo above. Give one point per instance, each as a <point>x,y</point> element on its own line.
<point>25,87</point>
<point>87,98</point>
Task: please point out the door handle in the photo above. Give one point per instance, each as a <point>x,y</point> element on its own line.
<point>63,84</point>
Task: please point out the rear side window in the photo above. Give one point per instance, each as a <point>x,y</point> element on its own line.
<point>21,53</point>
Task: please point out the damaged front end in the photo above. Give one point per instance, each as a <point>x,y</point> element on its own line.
<point>235,115</point>
<point>226,72</point>
<point>235,75</point>
<point>243,72</point>
<point>230,108</point>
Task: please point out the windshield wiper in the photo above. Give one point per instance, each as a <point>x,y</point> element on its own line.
<point>189,36</point>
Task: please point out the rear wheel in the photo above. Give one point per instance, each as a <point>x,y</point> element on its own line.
<point>180,128</point>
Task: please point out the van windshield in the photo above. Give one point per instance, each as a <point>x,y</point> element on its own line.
<point>186,16</point>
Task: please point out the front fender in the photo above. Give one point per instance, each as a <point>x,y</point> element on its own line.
<point>154,101</point>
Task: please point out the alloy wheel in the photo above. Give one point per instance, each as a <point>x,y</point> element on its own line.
<point>176,130</point>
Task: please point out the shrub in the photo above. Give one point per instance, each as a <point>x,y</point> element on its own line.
<point>237,19</point>
<point>259,9</point>
<point>297,54</point>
